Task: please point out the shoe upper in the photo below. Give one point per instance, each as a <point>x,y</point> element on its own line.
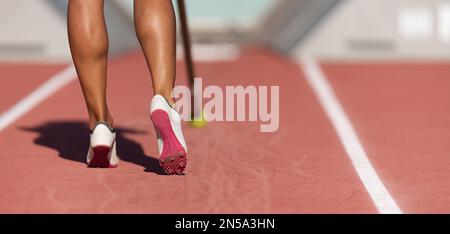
<point>102,135</point>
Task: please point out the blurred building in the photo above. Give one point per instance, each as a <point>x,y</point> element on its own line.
<point>331,29</point>
<point>396,29</point>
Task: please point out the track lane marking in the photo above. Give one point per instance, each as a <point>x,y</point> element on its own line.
<point>380,196</point>
<point>33,99</point>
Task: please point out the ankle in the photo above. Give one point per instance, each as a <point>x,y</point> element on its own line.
<point>168,98</point>
<point>94,120</point>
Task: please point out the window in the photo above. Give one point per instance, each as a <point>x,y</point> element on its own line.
<point>416,23</point>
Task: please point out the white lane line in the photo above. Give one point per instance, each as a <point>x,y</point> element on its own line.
<point>349,139</point>
<point>44,91</point>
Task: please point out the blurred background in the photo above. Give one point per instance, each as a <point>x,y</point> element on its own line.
<point>329,29</point>
<point>385,63</point>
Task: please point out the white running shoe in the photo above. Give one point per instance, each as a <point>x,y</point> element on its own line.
<point>171,144</point>
<point>102,150</point>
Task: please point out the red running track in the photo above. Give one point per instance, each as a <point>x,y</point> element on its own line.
<point>402,115</point>
<point>18,80</point>
<point>233,168</point>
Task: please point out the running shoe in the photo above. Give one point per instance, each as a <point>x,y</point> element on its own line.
<point>171,145</point>
<point>102,150</point>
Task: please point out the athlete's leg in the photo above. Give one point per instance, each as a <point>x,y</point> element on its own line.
<point>156,29</point>
<point>88,40</point>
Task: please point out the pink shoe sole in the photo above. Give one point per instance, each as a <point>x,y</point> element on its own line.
<point>173,158</point>
<point>100,158</point>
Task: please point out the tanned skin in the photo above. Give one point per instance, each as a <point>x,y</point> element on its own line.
<point>155,26</point>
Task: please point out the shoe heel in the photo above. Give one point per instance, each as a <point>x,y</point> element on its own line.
<point>160,119</point>
<point>100,157</point>
<point>102,150</point>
